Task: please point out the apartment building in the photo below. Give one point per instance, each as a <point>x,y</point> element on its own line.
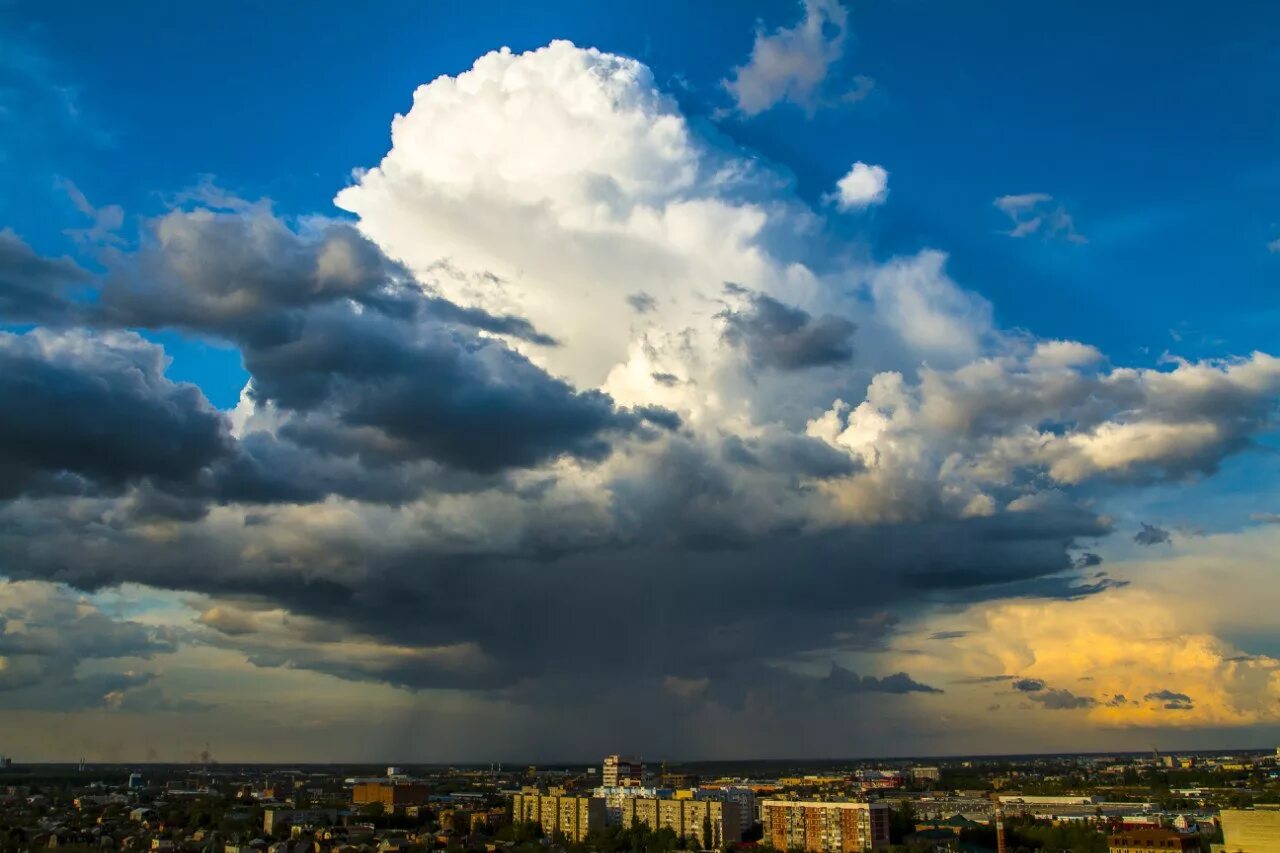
<point>558,813</point>
<point>739,796</point>
<point>709,822</point>
<point>621,770</point>
<point>816,826</point>
<point>1255,830</point>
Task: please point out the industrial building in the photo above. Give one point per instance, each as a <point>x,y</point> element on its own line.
<point>391,795</point>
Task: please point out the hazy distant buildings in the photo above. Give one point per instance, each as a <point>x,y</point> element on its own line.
<point>558,813</point>
<point>1042,800</point>
<point>274,820</point>
<point>825,827</point>
<point>925,774</point>
<point>709,822</point>
<point>621,770</point>
<point>674,779</point>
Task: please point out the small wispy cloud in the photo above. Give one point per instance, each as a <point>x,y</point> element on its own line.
<point>792,63</point>
<point>1038,213</point>
<point>1150,534</point>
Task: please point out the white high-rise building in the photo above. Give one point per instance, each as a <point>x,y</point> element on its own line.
<point>620,770</point>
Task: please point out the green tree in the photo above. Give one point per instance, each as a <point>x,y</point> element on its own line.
<point>902,822</point>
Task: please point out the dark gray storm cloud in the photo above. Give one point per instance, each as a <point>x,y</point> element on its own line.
<point>1054,699</point>
<point>245,275</point>
<point>1062,700</point>
<point>331,329</point>
<point>46,633</point>
<point>78,410</point>
<point>715,602</point>
<point>237,273</point>
<point>801,455</point>
<point>33,288</point>
<point>641,302</point>
<point>840,679</point>
<point>378,391</point>
<point>787,338</point>
<point>1149,534</point>
<point>1170,700</point>
<point>427,391</point>
<point>984,679</point>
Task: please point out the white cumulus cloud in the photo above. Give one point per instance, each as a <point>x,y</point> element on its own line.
<point>863,186</point>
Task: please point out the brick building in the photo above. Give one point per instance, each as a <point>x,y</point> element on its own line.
<point>825,827</point>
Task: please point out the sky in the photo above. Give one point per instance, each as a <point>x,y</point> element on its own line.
<point>420,381</point>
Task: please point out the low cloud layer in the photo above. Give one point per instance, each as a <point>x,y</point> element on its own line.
<point>50,638</point>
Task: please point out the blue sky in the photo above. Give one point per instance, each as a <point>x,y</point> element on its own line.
<point>1102,182</point>
<point>1154,130</point>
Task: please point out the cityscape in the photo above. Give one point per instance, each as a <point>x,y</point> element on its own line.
<point>556,426</point>
<point>1116,804</point>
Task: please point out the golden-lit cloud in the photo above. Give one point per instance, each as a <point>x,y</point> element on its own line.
<point>1151,654</point>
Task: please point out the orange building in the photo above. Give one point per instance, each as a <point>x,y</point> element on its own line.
<point>1151,841</point>
<point>817,826</point>
<point>391,796</point>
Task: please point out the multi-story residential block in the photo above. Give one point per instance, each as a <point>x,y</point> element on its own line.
<point>558,813</point>
<point>620,770</point>
<point>613,798</point>
<point>1250,830</point>
<point>709,822</point>
<point>825,827</point>
<point>739,796</point>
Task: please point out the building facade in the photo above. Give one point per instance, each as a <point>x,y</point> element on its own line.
<point>614,797</point>
<point>392,796</point>
<point>1151,841</point>
<point>817,826</point>
<point>739,796</point>
<point>621,770</point>
<point>709,822</point>
<point>1249,830</point>
<point>558,813</point>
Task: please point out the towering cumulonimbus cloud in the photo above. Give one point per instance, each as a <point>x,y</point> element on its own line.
<point>578,406</point>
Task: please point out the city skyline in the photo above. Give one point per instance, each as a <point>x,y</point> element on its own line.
<point>419,383</point>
